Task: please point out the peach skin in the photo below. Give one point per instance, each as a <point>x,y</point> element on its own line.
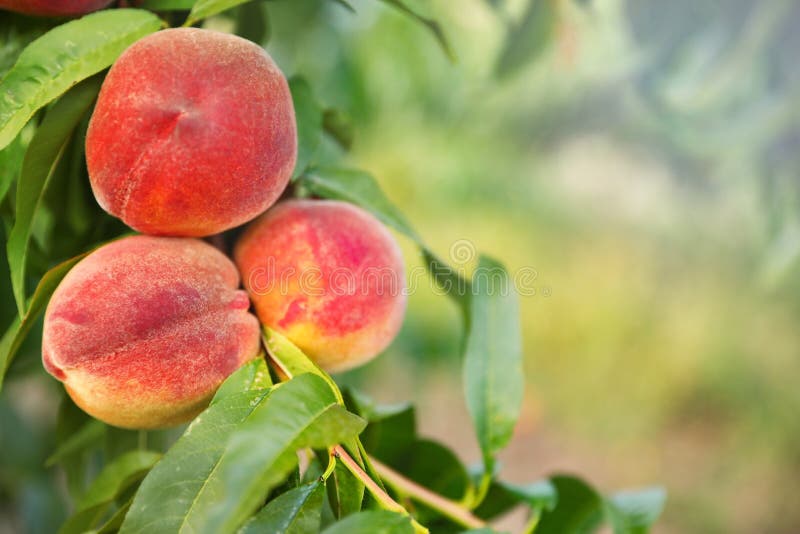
<point>144,329</point>
<point>327,275</point>
<point>193,133</point>
<point>53,8</point>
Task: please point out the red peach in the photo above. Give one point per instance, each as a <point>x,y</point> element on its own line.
<point>143,330</point>
<point>193,133</point>
<point>329,276</point>
<point>53,8</point>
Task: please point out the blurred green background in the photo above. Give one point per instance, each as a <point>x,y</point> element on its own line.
<point>643,158</point>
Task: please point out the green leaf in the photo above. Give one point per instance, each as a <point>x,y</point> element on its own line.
<point>117,476</point>
<point>372,522</point>
<point>10,164</point>
<point>579,509</point>
<point>339,125</point>
<point>63,57</point>
<point>252,22</point>
<point>19,329</point>
<point>493,377</point>
<point>41,159</point>
<point>234,453</point>
<point>529,38</point>
<point>202,9</point>
<point>115,521</point>
<point>292,362</point>
<point>89,434</point>
<point>345,492</point>
<point>298,511</point>
<point>252,375</point>
<point>433,26</point>
<point>168,5</point>
<point>309,123</point>
<point>634,512</point>
<point>109,485</point>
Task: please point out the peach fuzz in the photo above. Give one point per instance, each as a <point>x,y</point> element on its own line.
<point>53,8</point>
<point>193,133</point>
<point>144,329</point>
<point>327,275</point>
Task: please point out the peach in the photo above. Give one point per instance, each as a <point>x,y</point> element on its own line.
<point>53,8</point>
<point>327,275</point>
<point>144,329</point>
<point>193,133</point>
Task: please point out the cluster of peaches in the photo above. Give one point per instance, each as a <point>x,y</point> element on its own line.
<point>193,134</point>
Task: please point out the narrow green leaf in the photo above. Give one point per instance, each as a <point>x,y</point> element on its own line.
<point>298,511</point>
<point>309,123</point>
<point>64,56</point>
<point>10,164</point>
<point>302,412</point>
<point>528,38</point>
<point>18,331</point>
<point>202,9</point>
<point>579,509</point>
<point>168,5</point>
<point>493,377</point>
<point>293,362</point>
<point>372,522</point>
<point>252,375</point>
<point>345,492</point>
<point>41,159</point>
<point>234,453</point>
<point>634,512</point>
<point>169,490</point>
<point>115,521</point>
<point>433,26</point>
<point>89,434</point>
<point>117,476</point>
<point>339,125</point>
<point>109,485</point>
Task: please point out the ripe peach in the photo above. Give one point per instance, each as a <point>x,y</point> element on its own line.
<point>53,8</point>
<point>327,275</point>
<point>143,330</point>
<point>193,133</point>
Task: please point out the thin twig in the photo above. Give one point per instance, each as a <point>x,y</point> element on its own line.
<point>422,494</point>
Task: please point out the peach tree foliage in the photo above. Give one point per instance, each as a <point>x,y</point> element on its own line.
<point>234,469</point>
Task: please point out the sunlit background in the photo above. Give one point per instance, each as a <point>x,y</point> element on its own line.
<point>643,157</point>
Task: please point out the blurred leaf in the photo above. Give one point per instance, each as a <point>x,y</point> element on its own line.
<point>309,123</point>
<point>88,435</point>
<point>345,4</point>
<point>41,159</point>
<point>391,430</point>
<point>493,375</point>
<point>339,125</point>
<point>117,476</point>
<point>432,25</point>
<point>579,509</point>
<point>295,512</point>
<point>345,492</point>
<point>10,163</point>
<point>436,467</point>
<point>69,420</point>
<point>112,481</point>
<point>64,56</point>
<point>202,9</point>
<point>293,362</point>
<point>234,453</point>
<point>16,32</point>
<point>372,522</point>
<point>168,5</point>
<point>252,22</point>
<point>115,521</point>
<point>528,38</point>
<point>16,333</point>
<point>252,375</point>
<point>634,512</point>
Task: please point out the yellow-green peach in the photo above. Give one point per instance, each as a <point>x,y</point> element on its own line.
<point>327,275</point>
